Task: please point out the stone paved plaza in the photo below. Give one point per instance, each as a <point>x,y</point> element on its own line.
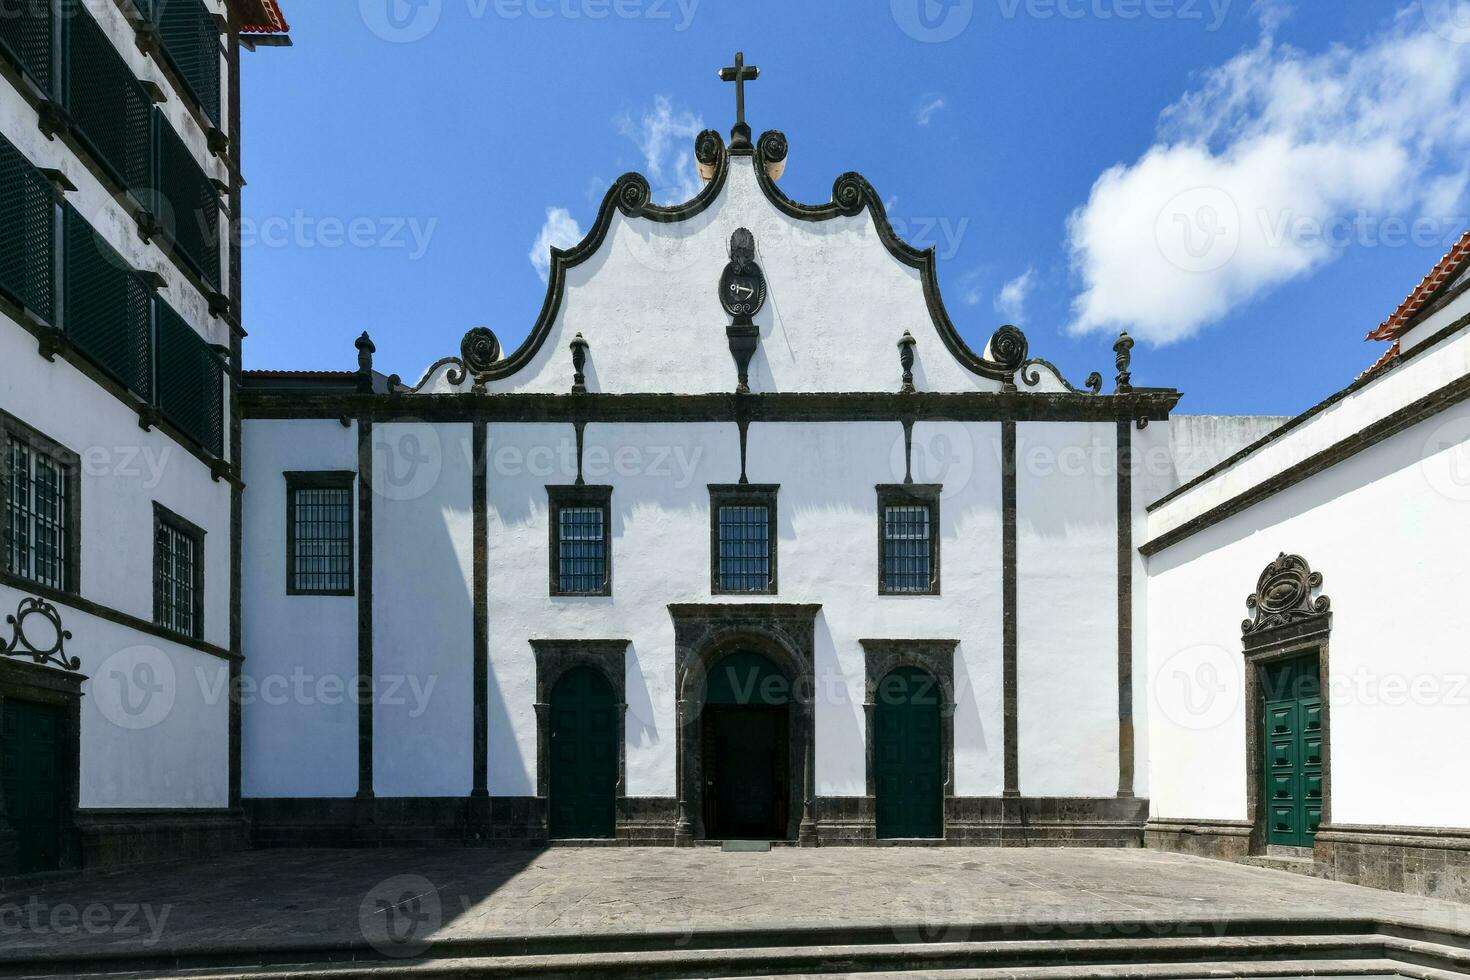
<point>335,899</point>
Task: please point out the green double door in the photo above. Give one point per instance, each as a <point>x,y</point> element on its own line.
<point>584,756</point>
<point>908,755</point>
<point>1292,718</point>
<point>34,774</point>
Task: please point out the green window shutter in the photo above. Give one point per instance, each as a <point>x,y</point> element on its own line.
<point>190,381</point>
<point>189,205</point>
<point>191,44</point>
<point>25,39</point>
<point>110,110</point>
<point>27,234</point>
<point>106,312</point>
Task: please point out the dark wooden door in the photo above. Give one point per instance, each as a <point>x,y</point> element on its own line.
<point>908,755</point>
<point>33,769</point>
<point>745,768</point>
<point>584,756</point>
<point>1292,718</point>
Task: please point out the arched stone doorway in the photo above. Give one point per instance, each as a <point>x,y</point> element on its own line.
<point>767,696</point>
<point>744,734</point>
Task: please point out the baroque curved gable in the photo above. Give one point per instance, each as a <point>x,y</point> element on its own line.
<point>640,290</point>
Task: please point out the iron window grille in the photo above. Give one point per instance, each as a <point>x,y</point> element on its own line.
<point>743,539</point>
<point>40,485</point>
<point>189,37</point>
<point>27,233</point>
<point>581,540</point>
<point>107,310</point>
<point>190,380</point>
<point>908,539</point>
<point>319,533</point>
<point>186,205</point>
<point>110,111</point>
<point>25,39</point>
<point>178,574</point>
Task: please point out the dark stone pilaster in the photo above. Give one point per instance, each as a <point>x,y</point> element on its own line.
<point>1009,625</point>
<point>1124,451</point>
<point>365,608</point>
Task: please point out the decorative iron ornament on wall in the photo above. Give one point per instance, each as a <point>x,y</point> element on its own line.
<point>1283,595</point>
<point>24,635</point>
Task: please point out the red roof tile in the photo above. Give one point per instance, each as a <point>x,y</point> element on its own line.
<point>267,19</point>
<point>1383,362</point>
<point>1449,267</point>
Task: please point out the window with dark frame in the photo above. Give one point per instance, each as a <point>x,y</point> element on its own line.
<point>743,539</point>
<point>319,530</point>
<point>39,483</point>
<point>178,574</point>
<point>908,539</point>
<point>581,540</point>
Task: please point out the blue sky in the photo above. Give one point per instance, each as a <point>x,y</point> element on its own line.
<point>1248,187</point>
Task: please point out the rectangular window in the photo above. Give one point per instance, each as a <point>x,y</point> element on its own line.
<point>581,540</point>
<point>743,538</point>
<point>178,574</point>
<point>40,482</point>
<point>908,539</point>
<point>319,533</point>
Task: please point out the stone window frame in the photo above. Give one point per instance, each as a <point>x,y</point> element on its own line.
<point>1303,632</point>
<point>935,657</point>
<point>704,633</point>
<point>912,494</point>
<point>40,444</point>
<point>736,495</point>
<point>20,681</point>
<point>578,495</point>
<point>320,480</point>
<point>553,659</point>
<point>163,517</point>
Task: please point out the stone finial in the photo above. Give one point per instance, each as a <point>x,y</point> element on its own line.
<point>365,352</point>
<point>1124,351</point>
<point>906,358</point>
<point>579,364</point>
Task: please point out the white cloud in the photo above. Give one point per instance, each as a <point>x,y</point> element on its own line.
<point>560,231</point>
<point>1277,162</point>
<point>972,287</point>
<point>1011,302</point>
<point>665,137</point>
<point>928,106</point>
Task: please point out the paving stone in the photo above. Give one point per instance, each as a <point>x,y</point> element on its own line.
<point>273,899</point>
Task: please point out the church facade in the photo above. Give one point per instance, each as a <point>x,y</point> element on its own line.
<point>743,436</point>
<point>744,542</point>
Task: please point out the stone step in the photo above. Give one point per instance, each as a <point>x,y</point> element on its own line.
<point>1250,956</point>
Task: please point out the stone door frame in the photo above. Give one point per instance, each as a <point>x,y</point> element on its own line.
<point>704,633</point>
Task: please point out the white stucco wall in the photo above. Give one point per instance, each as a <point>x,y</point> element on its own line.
<point>838,304</point>
<point>124,470</point>
<point>154,719</point>
<point>1388,530</point>
<point>827,521</point>
<point>423,642</point>
<point>299,724</point>
<point>1067,609</point>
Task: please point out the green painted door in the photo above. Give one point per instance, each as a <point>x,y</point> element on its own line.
<point>1292,718</point>
<point>584,756</point>
<point>31,764</point>
<point>908,755</point>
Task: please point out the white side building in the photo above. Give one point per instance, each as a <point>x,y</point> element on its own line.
<point>1306,625</point>
<point>119,450</point>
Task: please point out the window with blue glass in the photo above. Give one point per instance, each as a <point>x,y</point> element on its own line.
<point>743,538</point>
<point>908,539</point>
<point>581,540</point>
